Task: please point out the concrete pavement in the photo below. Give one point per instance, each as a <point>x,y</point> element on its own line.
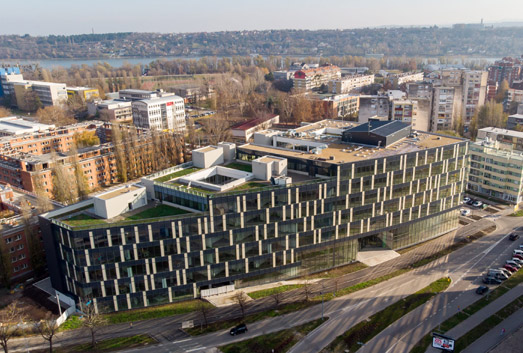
<point>511,343</point>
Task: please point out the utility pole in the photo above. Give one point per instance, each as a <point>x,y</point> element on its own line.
<point>321,305</point>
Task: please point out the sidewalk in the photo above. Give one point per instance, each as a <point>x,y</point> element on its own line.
<point>481,315</point>
<point>492,338</point>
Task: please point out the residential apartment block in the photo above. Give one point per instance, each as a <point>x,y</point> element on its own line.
<point>349,84</point>
<point>314,78</point>
<point>496,164</point>
<point>117,110</point>
<point>139,94</point>
<point>316,196</point>
<point>396,80</point>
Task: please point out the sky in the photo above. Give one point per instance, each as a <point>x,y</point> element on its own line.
<point>43,17</point>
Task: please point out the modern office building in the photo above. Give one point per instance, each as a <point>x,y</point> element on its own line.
<point>165,113</point>
<point>48,94</point>
<point>85,94</point>
<point>515,120</point>
<point>304,201</point>
<point>8,75</point>
<point>496,164</point>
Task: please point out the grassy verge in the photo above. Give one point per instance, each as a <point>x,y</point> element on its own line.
<point>72,322</point>
<point>364,331</point>
<point>280,341</point>
<point>109,345</point>
<point>339,271</point>
<point>488,324</point>
<point>473,308</point>
<point>517,214</point>
<point>271,291</point>
<point>176,174</point>
<point>155,312</point>
<point>158,211</point>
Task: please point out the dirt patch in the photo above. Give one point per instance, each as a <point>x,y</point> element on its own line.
<point>491,210</point>
<point>32,311</point>
<point>475,217</point>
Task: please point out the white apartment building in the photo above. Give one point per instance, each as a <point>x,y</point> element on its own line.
<point>111,110</point>
<point>166,113</point>
<point>350,83</point>
<point>139,94</point>
<point>474,93</point>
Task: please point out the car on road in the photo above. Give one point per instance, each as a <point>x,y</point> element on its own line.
<point>241,328</point>
<point>491,280</point>
<point>477,203</point>
<point>465,212</point>
<point>513,263</point>
<point>482,290</point>
<point>511,268</point>
<point>513,236</point>
<point>466,199</point>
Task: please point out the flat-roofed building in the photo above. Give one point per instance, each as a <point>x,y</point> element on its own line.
<point>47,93</point>
<point>84,94</point>
<point>139,94</point>
<point>166,113</point>
<point>349,84</point>
<point>12,125</point>
<point>396,80</point>
<point>116,110</point>
<point>314,78</point>
<point>244,131</point>
<point>228,228</point>
<point>496,164</point>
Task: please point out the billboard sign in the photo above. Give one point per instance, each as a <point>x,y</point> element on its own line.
<point>442,342</point>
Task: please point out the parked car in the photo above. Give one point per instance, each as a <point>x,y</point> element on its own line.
<point>519,261</point>
<point>477,203</point>
<point>513,236</point>
<point>491,280</point>
<point>465,212</point>
<point>517,256</point>
<point>470,202</point>
<point>517,252</point>
<point>521,246</point>
<point>502,275</point>
<point>513,263</point>
<point>466,199</point>
<point>241,328</point>
<point>511,268</point>
<point>482,290</point>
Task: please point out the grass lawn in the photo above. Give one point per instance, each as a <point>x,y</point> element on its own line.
<point>177,174</point>
<point>453,321</point>
<point>72,322</point>
<point>517,214</point>
<point>193,188</point>
<point>278,342</point>
<point>158,211</point>
<point>251,185</point>
<point>366,330</point>
<point>240,166</point>
<point>339,271</point>
<point>270,291</point>
<point>82,220</point>
<point>109,345</point>
<point>155,312</point>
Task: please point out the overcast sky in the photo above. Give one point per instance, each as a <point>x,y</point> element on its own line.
<point>41,17</point>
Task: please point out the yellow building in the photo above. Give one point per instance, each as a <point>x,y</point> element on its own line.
<point>86,94</point>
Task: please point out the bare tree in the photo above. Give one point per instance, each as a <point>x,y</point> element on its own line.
<point>307,289</point>
<point>36,251</point>
<point>278,298</point>
<point>93,321</point>
<point>204,310</point>
<point>64,183</point>
<point>54,115</point>
<point>47,328</point>
<point>10,319</point>
<point>241,299</point>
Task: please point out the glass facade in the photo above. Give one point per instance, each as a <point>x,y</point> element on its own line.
<point>265,235</point>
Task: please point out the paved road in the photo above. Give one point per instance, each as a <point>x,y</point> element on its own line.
<point>512,342</point>
<point>167,329</point>
<point>402,335</point>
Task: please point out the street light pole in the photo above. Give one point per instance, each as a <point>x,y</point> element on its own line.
<point>321,305</point>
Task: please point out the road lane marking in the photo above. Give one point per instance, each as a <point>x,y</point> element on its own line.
<point>195,349</point>
<point>180,341</point>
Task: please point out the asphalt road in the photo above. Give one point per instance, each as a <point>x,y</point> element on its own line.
<point>343,312</point>
<point>402,335</point>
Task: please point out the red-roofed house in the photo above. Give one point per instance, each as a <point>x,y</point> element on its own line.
<point>245,130</point>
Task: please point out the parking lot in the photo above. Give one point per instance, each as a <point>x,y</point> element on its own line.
<point>473,213</point>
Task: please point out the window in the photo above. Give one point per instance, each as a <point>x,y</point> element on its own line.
<point>18,237</point>
<point>8,240</point>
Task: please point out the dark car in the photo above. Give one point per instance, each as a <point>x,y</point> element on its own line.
<point>470,202</point>
<point>241,328</point>
<point>491,280</point>
<point>513,236</point>
<point>482,290</point>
